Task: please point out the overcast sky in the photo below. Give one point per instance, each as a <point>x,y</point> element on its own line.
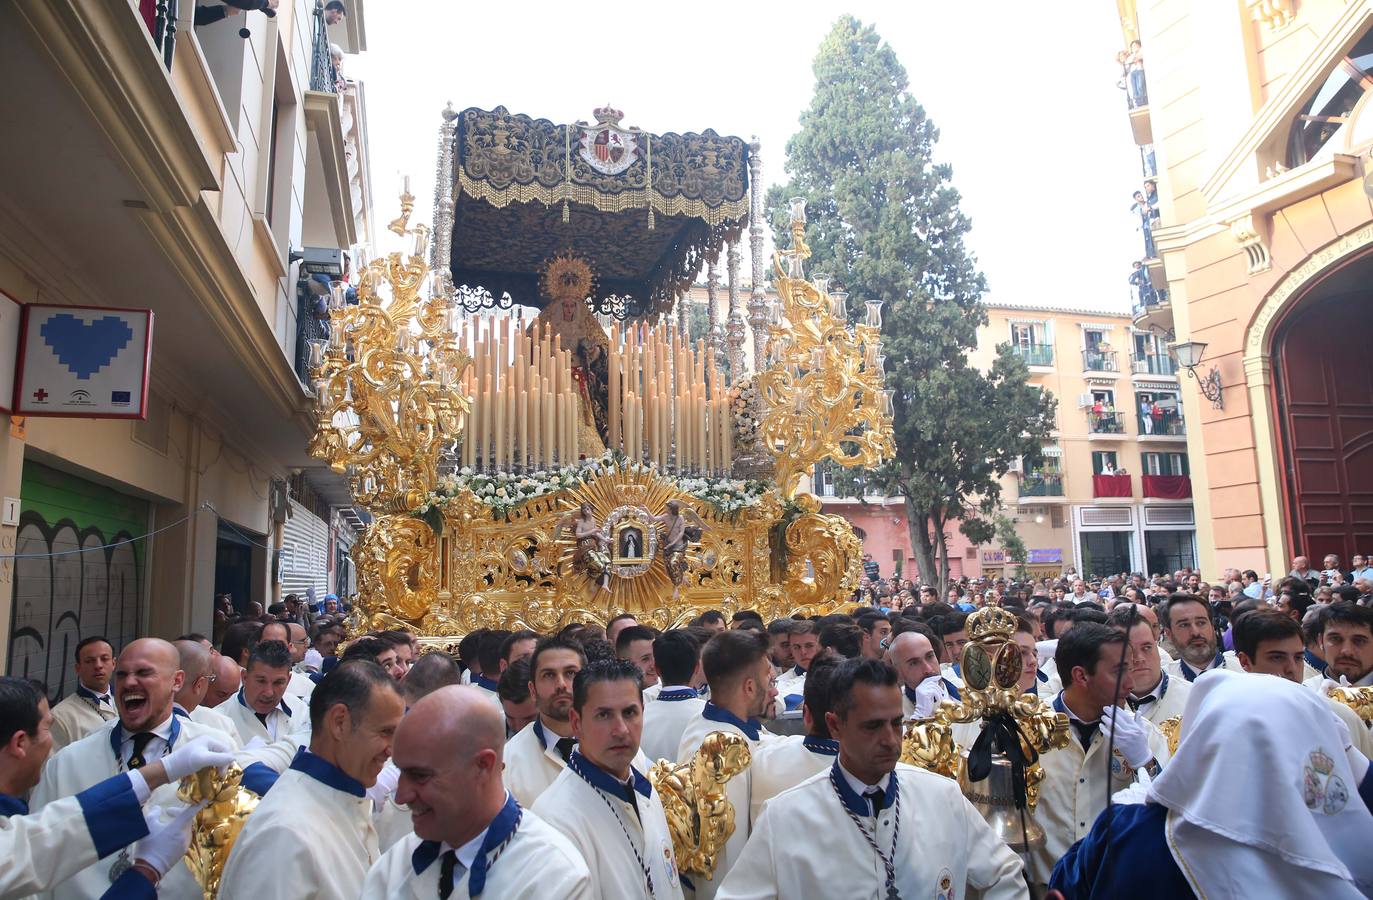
<point>1023,94</point>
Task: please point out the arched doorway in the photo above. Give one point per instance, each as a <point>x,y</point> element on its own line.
<point>1324,395</point>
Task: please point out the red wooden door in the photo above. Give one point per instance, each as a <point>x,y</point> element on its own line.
<point>1325,393</point>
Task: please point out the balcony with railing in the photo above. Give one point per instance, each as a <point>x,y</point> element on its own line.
<point>1042,484</point>
<point>1153,364</point>
<point>1035,355</point>
<point>1096,360</point>
<point>1105,425</point>
<point>1167,425</point>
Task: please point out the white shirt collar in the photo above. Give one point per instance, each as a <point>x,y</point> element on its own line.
<point>163,731</point>
<point>857,786</point>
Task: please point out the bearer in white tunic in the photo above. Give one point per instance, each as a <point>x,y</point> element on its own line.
<point>804,642</point>
<point>146,676</point>
<point>1154,694</point>
<point>297,642</point>
<point>913,656</point>
<point>90,705</point>
<point>471,838</point>
<point>322,798</point>
<point>601,803</point>
<point>1075,786</point>
<point>677,658</point>
<point>739,670</point>
<point>782,763</point>
<point>262,711</point>
<point>189,701</point>
<point>870,827</point>
<point>40,850</point>
<point>536,755</point>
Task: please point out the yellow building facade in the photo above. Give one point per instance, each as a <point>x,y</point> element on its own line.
<point>1258,117</point>
<point>204,168</point>
<point>1113,493</point>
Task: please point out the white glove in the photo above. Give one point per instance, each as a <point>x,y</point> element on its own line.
<point>928,695</point>
<point>1130,737</point>
<point>387,779</point>
<point>196,754</point>
<point>167,839</point>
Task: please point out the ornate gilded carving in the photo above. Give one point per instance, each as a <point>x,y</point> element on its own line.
<point>699,813</point>
<point>217,826</point>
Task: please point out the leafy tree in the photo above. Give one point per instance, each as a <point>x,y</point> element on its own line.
<point>1011,545</point>
<point>883,218</point>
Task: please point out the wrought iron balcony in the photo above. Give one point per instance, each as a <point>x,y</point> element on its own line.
<point>1171,425</point>
<point>1099,361</point>
<point>1154,364</point>
<point>1105,423</point>
<point>323,72</point>
<point>1042,484</point>
<point>1034,354</point>
<point>160,17</point>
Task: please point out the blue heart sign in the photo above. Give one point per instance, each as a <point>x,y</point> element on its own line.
<point>85,347</point>
<point>89,362</point>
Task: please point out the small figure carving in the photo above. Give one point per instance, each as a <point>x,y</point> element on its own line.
<point>676,535</point>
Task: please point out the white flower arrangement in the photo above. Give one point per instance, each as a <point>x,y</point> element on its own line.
<point>503,492</point>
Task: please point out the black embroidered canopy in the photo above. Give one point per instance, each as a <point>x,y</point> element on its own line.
<point>645,210</point>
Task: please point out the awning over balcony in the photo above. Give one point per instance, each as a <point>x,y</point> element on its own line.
<point>1167,487</point>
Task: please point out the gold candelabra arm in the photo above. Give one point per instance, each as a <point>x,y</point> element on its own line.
<point>700,816</point>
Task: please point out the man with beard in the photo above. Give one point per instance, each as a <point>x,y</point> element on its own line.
<point>871,816</point>
<point>146,676</point>
<point>537,754</point>
<point>1188,627</point>
<point>470,836</point>
<point>1347,643</point>
<point>779,638</point>
<point>784,762</point>
<point>739,671</point>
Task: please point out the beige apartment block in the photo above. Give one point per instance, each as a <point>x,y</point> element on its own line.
<point>1260,120</point>
<point>1113,493</point>
<point>186,167</point>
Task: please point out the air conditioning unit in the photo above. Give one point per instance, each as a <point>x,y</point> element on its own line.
<point>1085,400</point>
<point>322,261</point>
<point>1017,466</point>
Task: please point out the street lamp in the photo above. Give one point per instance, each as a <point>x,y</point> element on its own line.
<point>1188,354</point>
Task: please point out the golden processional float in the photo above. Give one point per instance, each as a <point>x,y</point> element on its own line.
<point>537,432</point>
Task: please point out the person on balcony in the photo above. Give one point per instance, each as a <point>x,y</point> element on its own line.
<point>1144,289</point>
<point>215,12</point>
<point>1144,212</point>
<point>1134,65</point>
<point>1147,411</point>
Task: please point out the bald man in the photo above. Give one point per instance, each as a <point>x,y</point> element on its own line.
<point>146,677</point>
<point>470,836</point>
<point>913,657</point>
<point>197,666</point>
<point>229,678</point>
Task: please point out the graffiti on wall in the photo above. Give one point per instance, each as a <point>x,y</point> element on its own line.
<point>61,598</point>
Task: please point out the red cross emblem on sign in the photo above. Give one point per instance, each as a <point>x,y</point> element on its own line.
<point>40,395</point>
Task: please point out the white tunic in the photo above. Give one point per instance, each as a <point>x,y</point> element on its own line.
<point>1179,667</point>
<point>43,849</point>
<point>206,716</point>
<point>76,716</point>
<point>532,762</point>
<point>538,863</point>
<point>90,761</point>
<point>623,850</point>
<point>290,718</point>
<point>738,789</point>
<point>310,837</point>
<point>1074,791</point>
<point>805,845</point>
<point>666,718</point>
<point>1172,699</point>
<point>785,762</point>
<point>791,684</point>
<point>301,685</point>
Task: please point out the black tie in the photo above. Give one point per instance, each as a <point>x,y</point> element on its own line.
<point>450,859</point>
<point>874,797</point>
<point>1147,698</point>
<point>565,746</point>
<point>140,744</point>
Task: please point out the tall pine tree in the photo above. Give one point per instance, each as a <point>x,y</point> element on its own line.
<point>883,219</point>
